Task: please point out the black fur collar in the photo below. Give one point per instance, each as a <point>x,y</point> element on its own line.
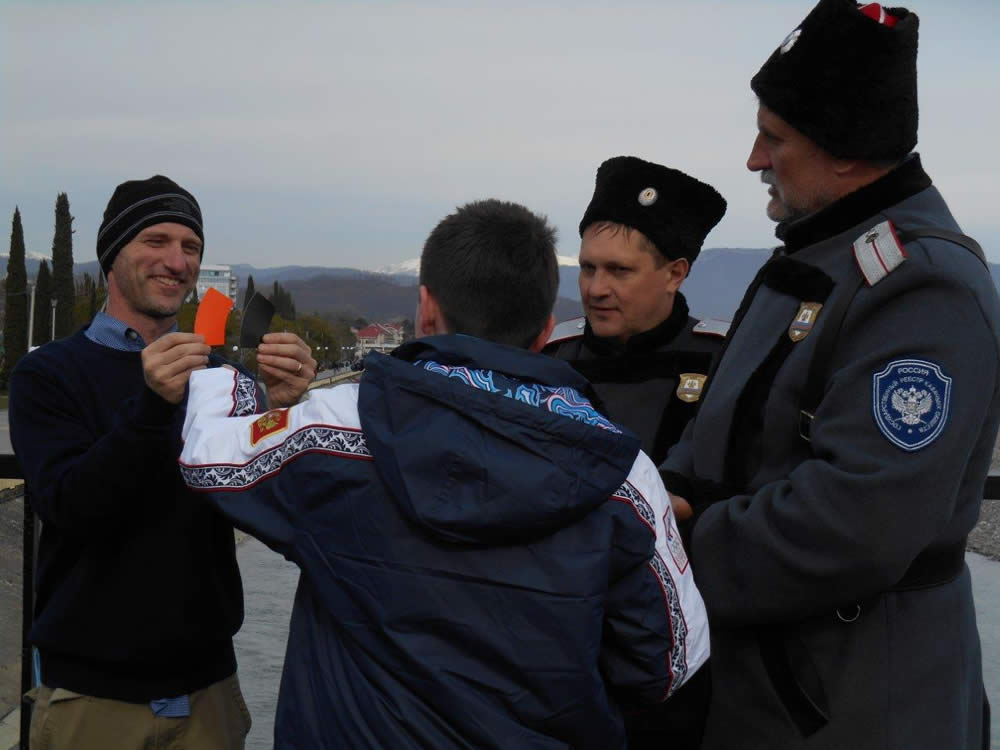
<point>904,181</point>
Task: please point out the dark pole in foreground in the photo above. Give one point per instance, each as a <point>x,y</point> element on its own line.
<point>10,468</point>
<point>27,611</point>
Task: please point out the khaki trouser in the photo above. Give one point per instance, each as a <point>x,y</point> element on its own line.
<point>64,720</point>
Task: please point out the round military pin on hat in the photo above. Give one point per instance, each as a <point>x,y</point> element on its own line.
<point>847,79</point>
<point>673,210</point>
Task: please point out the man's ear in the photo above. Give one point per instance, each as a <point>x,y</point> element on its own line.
<point>428,314</point>
<point>539,343</point>
<point>677,272</point>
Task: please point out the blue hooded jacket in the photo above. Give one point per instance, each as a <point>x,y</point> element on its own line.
<point>477,552</point>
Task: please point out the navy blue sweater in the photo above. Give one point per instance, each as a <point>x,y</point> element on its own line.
<point>138,593</point>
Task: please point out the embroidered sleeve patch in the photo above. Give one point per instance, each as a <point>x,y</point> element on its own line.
<point>878,252</point>
<point>910,400</point>
<point>273,422</point>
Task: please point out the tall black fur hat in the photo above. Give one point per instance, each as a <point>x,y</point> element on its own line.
<point>673,210</point>
<point>138,204</point>
<point>847,79</point>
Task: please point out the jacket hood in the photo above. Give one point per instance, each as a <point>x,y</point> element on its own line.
<point>481,443</point>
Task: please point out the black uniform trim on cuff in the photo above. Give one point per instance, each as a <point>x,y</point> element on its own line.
<point>678,484</point>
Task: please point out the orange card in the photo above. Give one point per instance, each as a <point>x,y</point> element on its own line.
<point>210,320</point>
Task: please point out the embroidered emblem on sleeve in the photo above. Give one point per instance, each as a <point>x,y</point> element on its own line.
<point>910,400</point>
<point>674,543</point>
<point>273,422</point>
<point>690,385</point>
<point>878,252</point>
<point>804,321</point>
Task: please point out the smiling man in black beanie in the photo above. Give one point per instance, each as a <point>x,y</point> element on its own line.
<point>837,462</point>
<point>139,593</point>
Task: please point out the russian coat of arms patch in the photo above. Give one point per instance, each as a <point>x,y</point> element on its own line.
<point>910,401</point>
<point>274,421</point>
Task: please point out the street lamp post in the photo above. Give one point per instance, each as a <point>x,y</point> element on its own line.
<point>31,315</point>
<point>54,303</point>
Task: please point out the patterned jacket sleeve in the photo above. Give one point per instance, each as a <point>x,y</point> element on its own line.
<point>656,632</point>
<point>244,463</point>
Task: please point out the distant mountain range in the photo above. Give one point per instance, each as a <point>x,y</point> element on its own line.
<point>713,289</point>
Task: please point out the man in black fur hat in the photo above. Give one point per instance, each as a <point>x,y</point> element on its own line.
<point>837,462</point>
<point>646,357</point>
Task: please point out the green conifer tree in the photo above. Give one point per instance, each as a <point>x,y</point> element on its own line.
<point>62,267</point>
<point>15,325</point>
<point>248,294</point>
<point>43,306</point>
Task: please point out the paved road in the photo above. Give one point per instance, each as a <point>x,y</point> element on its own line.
<point>269,581</point>
<point>5,446</point>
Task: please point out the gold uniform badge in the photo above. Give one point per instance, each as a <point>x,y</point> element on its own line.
<point>690,385</point>
<point>804,321</point>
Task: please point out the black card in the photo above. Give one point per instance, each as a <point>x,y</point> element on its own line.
<point>256,320</point>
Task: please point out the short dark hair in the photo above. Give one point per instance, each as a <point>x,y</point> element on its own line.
<point>492,268</point>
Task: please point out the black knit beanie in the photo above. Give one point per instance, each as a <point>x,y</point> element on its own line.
<point>138,204</point>
<point>673,210</point>
<point>847,79</point>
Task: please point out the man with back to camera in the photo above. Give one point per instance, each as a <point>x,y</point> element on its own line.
<point>837,462</point>
<point>138,592</point>
<point>645,356</point>
<point>486,560</point>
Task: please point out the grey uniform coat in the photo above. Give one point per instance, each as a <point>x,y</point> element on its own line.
<point>800,548</point>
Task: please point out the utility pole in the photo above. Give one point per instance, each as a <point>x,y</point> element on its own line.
<point>31,314</point>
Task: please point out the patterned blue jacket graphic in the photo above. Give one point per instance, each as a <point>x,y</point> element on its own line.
<point>487,561</point>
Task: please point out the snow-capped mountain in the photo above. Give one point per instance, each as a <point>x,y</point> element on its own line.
<point>412,266</point>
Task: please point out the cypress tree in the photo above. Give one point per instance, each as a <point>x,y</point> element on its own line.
<point>62,267</point>
<point>248,294</point>
<point>281,298</point>
<point>15,324</point>
<point>43,305</point>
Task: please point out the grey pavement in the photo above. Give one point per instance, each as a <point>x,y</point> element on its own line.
<point>5,446</point>
<point>269,581</point>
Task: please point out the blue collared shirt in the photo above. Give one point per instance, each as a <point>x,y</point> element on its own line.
<point>114,334</point>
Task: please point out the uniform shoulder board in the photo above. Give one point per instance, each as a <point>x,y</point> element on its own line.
<point>879,252</point>
<point>711,327</point>
<point>568,329</point>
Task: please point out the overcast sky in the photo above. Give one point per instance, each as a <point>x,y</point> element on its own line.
<point>329,133</point>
